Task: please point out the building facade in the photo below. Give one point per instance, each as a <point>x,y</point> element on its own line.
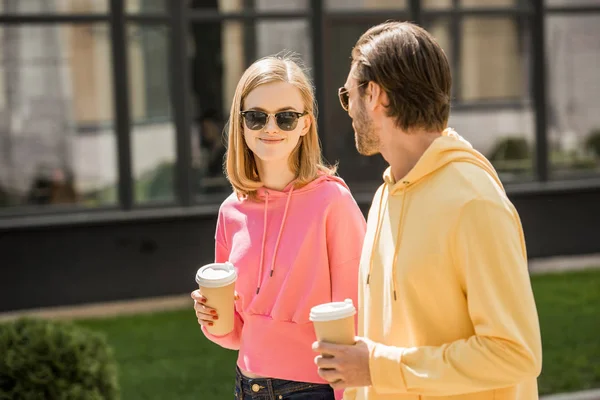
<point>112,115</point>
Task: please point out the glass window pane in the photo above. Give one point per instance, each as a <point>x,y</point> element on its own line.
<point>273,37</point>
<point>153,132</point>
<point>145,6</point>
<point>337,134</point>
<point>505,136</point>
<point>493,59</point>
<point>57,137</point>
<point>53,6</point>
<point>573,56</point>
<point>571,3</point>
<point>280,5</point>
<point>436,4</point>
<point>365,4</point>
<point>217,59</point>
<point>440,28</point>
<point>489,3</point>
<point>230,6</point>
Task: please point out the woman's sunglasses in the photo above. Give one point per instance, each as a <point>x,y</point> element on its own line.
<point>286,120</point>
<point>344,95</point>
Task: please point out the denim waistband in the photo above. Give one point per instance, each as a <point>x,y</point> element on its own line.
<point>271,388</point>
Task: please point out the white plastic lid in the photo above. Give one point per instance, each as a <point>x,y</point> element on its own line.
<point>216,275</point>
<point>332,311</point>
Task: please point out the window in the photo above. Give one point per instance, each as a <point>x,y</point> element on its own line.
<point>53,6</point>
<point>339,5</point>
<point>152,132</point>
<point>505,136</point>
<point>437,4</point>
<point>273,37</point>
<point>217,60</point>
<point>145,6</point>
<point>281,5</point>
<point>57,137</point>
<point>573,90</point>
<point>492,61</point>
<point>58,141</point>
<point>338,133</point>
<point>571,3</point>
<point>490,3</point>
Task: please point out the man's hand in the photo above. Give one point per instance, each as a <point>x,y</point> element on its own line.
<point>344,366</point>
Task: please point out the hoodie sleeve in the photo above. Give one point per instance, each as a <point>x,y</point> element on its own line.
<point>231,340</point>
<point>491,263</point>
<point>345,235</point>
<point>346,228</point>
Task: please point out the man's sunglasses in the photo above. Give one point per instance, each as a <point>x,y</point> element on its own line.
<point>286,120</point>
<point>344,95</point>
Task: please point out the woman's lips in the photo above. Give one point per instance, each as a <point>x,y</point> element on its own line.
<point>270,140</point>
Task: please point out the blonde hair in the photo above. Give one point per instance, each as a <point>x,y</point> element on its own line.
<point>305,160</point>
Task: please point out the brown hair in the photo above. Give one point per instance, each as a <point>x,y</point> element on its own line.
<point>411,67</point>
<point>306,159</point>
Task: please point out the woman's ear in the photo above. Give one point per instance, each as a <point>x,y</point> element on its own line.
<point>307,121</point>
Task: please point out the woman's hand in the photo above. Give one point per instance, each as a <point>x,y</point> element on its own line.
<point>206,315</point>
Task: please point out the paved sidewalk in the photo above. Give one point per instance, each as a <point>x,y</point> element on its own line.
<point>108,309</point>
<point>561,264</point>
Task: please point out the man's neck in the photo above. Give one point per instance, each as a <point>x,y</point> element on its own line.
<point>275,175</point>
<point>405,149</point>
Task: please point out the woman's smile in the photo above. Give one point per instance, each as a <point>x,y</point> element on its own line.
<point>271,140</point>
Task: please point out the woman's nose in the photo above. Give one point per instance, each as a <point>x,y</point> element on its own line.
<point>271,126</point>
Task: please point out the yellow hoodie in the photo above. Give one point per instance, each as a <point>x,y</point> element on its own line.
<point>444,288</point>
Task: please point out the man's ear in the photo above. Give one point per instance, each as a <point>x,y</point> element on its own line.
<point>307,120</point>
<point>376,96</point>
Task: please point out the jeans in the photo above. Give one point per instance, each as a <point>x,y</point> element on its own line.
<point>279,389</point>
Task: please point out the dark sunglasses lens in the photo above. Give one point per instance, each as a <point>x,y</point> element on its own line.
<point>255,120</point>
<point>287,121</point>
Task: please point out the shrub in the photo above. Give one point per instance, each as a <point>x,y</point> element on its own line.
<point>161,183</point>
<point>510,148</point>
<point>592,142</point>
<point>44,359</point>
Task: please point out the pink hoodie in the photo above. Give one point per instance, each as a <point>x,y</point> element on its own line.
<point>293,249</point>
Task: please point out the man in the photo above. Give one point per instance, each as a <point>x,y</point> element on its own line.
<point>446,309</point>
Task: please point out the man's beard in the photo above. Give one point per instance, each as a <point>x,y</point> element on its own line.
<point>367,140</point>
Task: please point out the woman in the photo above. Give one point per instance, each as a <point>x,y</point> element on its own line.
<point>291,228</point>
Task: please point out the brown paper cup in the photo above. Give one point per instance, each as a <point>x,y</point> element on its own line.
<point>217,283</point>
<point>334,322</point>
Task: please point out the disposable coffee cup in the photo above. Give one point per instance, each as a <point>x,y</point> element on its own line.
<point>217,285</point>
<point>334,322</point>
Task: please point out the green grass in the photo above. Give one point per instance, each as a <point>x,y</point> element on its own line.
<point>569,311</point>
<point>165,356</point>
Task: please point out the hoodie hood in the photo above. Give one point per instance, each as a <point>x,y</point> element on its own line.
<point>265,195</point>
<point>448,148</point>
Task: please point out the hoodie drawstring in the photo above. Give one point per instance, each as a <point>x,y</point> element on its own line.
<point>264,238</point>
<point>398,239</point>
<point>377,232</point>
